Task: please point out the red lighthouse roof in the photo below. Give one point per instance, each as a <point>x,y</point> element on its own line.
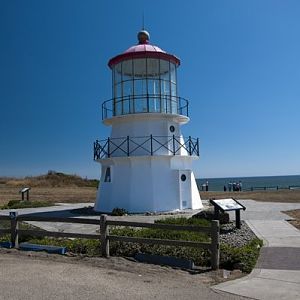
<point>143,50</point>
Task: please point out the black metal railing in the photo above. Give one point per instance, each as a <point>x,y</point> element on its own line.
<point>136,104</point>
<point>146,145</point>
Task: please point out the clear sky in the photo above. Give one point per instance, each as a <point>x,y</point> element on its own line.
<point>240,70</point>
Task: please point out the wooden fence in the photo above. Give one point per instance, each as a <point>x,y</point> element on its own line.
<point>104,236</point>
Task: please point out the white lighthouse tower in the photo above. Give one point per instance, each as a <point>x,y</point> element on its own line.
<point>146,162</point>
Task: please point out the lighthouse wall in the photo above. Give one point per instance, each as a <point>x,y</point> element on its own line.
<point>146,183</point>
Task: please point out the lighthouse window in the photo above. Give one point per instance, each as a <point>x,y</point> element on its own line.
<point>183,177</point>
<point>172,128</point>
<point>107,177</point>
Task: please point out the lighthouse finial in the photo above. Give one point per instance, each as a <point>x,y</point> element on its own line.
<point>143,37</point>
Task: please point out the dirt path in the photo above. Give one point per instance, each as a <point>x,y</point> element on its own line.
<point>26,275</point>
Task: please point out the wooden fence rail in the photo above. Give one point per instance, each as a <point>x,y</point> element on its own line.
<point>105,237</point>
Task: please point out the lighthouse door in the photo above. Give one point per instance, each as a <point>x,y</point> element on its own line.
<point>185,188</point>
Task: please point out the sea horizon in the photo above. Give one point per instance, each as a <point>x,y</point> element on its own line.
<point>248,182</point>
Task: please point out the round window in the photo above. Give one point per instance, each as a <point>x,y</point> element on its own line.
<point>172,128</point>
<point>183,177</point>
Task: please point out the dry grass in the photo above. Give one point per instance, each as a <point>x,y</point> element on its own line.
<point>55,194</point>
<point>288,196</point>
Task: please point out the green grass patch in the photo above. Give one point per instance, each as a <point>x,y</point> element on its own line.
<point>14,204</point>
<point>243,258</point>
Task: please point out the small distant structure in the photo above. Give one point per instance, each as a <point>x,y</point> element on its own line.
<point>25,191</point>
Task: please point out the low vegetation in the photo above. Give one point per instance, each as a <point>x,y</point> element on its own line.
<point>51,179</point>
<point>243,258</point>
<point>14,204</point>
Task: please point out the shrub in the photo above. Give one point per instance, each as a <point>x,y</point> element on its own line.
<point>119,212</point>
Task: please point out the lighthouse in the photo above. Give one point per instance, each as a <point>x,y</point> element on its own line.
<point>146,163</point>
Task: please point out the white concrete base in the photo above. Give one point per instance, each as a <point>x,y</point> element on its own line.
<point>148,184</point>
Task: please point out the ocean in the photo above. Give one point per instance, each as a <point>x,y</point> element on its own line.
<point>217,184</point>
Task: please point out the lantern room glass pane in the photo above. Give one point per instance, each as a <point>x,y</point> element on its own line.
<point>140,87</point>
<point>127,69</point>
<point>164,70</point>
<point>127,88</point>
<point>173,72</point>
<point>118,90</point>
<point>153,87</point>
<point>153,68</point>
<point>139,68</point>
<point>118,73</point>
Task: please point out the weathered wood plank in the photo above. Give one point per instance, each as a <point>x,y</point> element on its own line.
<point>159,241</point>
<point>215,245</point>
<point>57,219</point>
<point>160,226</point>
<point>58,234</point>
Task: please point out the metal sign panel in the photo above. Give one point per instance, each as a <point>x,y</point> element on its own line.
<point>228,204</point>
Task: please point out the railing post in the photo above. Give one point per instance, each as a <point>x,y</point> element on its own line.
<point>151,144</point>
<point>108,147</point>
<point>215,244</point>
<point>104,236</point>
<point>197,146</point>
<point>174,145</point>
<point>190,147</point>
<point>128,145</point>
<point>14,226</point>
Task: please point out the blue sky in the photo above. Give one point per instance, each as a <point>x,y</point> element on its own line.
<point>240,70</point>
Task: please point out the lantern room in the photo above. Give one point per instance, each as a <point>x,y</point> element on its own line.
<point>144,80</point>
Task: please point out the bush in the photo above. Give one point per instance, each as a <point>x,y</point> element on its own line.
<point>243,258</point>
<point>119,212</point>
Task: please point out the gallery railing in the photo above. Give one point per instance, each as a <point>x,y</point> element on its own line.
<point>135,104</point>
<point>147,145</point>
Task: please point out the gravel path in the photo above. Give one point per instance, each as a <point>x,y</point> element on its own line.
<point>232,236</point>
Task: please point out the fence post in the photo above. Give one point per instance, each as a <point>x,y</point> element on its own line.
<point>103,236</point>
<point>215,244</point>
<point>14,226</point>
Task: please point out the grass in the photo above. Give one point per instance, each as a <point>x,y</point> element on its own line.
<point>243,258</point>
<point>14,204</point>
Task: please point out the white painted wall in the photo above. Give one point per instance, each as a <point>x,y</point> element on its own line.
<point>141,184</point>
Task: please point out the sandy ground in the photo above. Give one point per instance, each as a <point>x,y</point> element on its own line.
<point>296,215</point>
<point>41,276</point>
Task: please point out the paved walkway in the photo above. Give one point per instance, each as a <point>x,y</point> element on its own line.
<point>277,273</point>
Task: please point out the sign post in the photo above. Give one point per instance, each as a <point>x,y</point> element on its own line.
<point>228,205</point>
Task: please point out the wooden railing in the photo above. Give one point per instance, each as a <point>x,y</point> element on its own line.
<point>105,237</point>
